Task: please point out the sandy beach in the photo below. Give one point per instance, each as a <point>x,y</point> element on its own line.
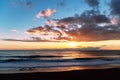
<point>101,74</point>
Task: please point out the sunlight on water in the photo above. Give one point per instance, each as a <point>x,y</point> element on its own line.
<point>57,60</point>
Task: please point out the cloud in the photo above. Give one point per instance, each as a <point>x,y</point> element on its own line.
<point>95,33</point>
<point>115,7</point>
<point>89,16</point>
<point>46,13</point>
<point>61,3</point>
<point>114,21</point>
<point>90,30</point>
<point>47,32</point>
<point>91,48</point>
<point>115,12</point>
<point>26,3</point>
<point>14,30</point>
<point>29,4</point>
<point>33,39</point>
<point>91,25</point>
<point>93,3</point>
<point>11,40</point>
<point>52,22</point>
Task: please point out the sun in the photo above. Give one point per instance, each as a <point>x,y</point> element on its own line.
<point>72,44</point>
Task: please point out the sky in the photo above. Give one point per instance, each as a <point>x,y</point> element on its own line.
<point>61,24</point>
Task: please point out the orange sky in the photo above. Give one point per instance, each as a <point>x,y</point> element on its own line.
<point>12,45</point>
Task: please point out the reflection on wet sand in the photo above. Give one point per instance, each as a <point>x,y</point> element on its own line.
<point>56,69</point>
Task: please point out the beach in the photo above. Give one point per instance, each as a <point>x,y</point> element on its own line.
<point>59,65</point>
<point>60,40</point>
<point>96,74</point>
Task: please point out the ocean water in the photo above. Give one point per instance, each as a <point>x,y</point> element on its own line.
<point>56,60</point>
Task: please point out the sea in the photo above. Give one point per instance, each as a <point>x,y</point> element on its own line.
<point>28,61</point>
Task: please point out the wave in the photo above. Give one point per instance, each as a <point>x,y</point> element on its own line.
<point>32,64</point>
<point>50,59</point>
<point>31,56</point>
<point>46,60</point>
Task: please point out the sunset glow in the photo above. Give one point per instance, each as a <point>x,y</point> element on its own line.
<point>6,45</point>
<point>73,44</point>
<point>93,24</point>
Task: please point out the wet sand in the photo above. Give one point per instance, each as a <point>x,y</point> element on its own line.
<point>101,74</point>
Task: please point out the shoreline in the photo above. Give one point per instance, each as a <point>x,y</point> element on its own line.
<point>97,74</point>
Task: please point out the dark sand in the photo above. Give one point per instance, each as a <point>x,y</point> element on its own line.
<point>102,74</point>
